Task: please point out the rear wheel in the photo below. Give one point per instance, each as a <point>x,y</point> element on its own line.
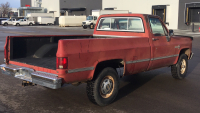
<point>30,24</point>
<point>104,89</point>
<point>179,70</point>
<point>17,24</point>
<point>5,24</point>
<point>84,27</point>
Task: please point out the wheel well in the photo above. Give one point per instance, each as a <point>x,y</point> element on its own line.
<point>115,63</point>
<point>185,51</point>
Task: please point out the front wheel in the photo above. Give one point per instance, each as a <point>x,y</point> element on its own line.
<point>104,89</point>
<point>179,70</point>
<point>17,24</point>
<point>30,24</point>
<point>84,27</point>
<point>91,26</point>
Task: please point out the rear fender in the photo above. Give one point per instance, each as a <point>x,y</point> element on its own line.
<point>117,64</point>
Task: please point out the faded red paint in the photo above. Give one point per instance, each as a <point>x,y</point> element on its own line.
<point>83,53</point>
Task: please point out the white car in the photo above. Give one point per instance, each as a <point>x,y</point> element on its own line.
<point>8,21</point>
<point>23,22</point>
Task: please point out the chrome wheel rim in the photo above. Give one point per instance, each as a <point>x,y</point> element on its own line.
<point>107,86</point>
<point>183,66</point>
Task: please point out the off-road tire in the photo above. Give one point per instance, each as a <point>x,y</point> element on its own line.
<point>176,69</point>
<point>94,87</point>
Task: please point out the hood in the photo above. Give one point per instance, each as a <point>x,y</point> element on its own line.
<point>87,21</point>
<point>183,36</point>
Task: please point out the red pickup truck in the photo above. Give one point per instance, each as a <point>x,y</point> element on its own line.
<point>122,44</point>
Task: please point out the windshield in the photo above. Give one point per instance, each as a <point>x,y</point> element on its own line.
<point>90,18</point>
<point>8,19</point>
<point>20,20</point>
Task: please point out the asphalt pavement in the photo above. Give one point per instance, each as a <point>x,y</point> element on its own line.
<point>148,92</point>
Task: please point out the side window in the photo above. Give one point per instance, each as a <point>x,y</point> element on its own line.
<point>95,18</point>
<point>157,27</point>
<point>104,24</point>
<point>24,20</point>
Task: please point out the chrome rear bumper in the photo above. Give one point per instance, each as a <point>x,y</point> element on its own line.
<point>37,77</point>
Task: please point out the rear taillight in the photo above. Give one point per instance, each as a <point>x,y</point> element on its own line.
<point>61,63</point>
<point>5,55</point>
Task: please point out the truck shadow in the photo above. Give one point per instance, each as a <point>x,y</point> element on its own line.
<point>193,63</point>
<point>128,84</point>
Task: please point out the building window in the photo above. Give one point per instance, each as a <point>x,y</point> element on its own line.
<point>160,10</point>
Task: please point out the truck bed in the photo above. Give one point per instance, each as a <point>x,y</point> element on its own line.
<point>37,50</point>
<point>48,62</point>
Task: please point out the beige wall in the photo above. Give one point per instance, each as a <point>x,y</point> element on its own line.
<point>52,5</point>
<point>145,7</point>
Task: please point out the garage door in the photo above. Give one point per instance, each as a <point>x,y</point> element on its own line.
<point>194,14</point>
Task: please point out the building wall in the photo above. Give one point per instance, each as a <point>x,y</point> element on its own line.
<point>181,15</point>
<point>25,2</point>
<point>88,4</point>
<point>52,5</point>
<point>145,7</point>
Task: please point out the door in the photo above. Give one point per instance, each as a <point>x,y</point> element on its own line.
<point>160,13</point>
<point>194,14</point>
<point>162,50</point>
<point>23,22</point>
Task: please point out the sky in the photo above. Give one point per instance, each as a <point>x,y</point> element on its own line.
<point>13,3</point>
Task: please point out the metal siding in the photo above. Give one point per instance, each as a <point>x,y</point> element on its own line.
<point>88,4</point>
<point>181,14</point>
<point>24,2</point>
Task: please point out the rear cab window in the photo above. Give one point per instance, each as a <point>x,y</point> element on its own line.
<point>131,24</point>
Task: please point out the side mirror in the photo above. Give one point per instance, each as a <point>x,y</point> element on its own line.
<point>171,32</point>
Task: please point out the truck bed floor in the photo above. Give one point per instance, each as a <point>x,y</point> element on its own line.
<point>49,62</point>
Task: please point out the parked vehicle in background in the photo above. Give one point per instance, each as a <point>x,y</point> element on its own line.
<point>8,21</point>
<point>1,19</point>
<point>41,18</point>
<point>71,20</point>
<point>92,19</point>
<point>121,45</point>
<point>45,20</point>
<point>23,22</point>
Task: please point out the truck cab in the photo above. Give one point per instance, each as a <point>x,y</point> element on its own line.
<point>90,22</point>
<point>23,22</point>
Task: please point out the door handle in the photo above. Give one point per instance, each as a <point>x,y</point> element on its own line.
<point>154,39</point>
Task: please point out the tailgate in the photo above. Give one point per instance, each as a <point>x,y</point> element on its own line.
<point>6,60</point>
